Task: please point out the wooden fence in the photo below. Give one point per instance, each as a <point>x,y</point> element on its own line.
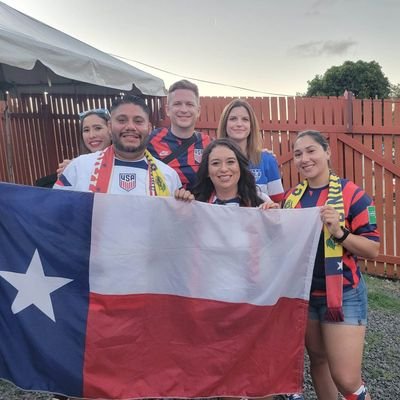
<point>39,131</point>
<point>364,137</point>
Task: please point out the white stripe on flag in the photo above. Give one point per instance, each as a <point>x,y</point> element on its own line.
<point>160,245</point>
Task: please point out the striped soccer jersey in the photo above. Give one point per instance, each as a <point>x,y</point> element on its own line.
<point>163,142</point>
<point>356,202</point>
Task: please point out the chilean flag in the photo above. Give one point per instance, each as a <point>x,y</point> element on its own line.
<point>118,297</point>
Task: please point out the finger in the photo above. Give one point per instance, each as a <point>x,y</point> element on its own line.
<point>178,194</point>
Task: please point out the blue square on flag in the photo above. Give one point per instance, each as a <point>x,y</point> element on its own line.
<point>41,273</point>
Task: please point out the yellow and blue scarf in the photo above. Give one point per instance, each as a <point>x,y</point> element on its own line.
<point>333,251</point>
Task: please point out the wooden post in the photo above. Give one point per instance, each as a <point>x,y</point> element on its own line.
<point>49,138</point>
<point>9,144</point>
<point>349,108</point>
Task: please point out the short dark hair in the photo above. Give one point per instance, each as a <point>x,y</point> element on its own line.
<point>130,99</point>
<point>247,189</point>
<point>184,84</point>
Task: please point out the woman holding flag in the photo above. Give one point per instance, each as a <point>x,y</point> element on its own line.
<point>223,178</point>
<point>338,303</point>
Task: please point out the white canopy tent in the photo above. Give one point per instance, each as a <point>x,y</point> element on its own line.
<point>35,57</point>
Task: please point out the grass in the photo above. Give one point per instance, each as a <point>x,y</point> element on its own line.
<point>381,351</point>
<point>383,294</point>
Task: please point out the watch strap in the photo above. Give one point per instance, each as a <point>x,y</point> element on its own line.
<point>346,233</point>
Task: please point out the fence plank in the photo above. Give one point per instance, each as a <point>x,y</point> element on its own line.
<point>291,113</point>
<point>300,113</point>
<point>387,113</point>
<point>265,119</point>
<point>377,114</point>
<point>367,114</point>
<point>309,111</point>
<point>358,164</point>
<point>274,113</point>
<point>357,113</point>
<point>283,112</point>
<point>348,163</point>
<point>380,210</point>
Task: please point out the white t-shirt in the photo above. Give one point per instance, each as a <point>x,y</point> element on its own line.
<point>128,177</point>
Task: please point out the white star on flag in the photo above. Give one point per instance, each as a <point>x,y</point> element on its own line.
<point>34,287</point>
<point>340,265</point>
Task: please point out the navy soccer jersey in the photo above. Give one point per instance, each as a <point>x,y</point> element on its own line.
<point>163,142</point>
<point>356,203</point>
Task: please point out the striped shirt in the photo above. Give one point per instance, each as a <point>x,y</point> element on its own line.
<point>356,202</point>
<point>163,142</point>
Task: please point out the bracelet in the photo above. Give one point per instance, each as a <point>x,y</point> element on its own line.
<point>346,233</point>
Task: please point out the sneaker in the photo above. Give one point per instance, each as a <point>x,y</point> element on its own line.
<point>295,396</point>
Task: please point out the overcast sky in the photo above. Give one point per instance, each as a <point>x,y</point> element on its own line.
<point>272,46</point>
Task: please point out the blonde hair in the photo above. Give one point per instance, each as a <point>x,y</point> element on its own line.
<point>254,142</point>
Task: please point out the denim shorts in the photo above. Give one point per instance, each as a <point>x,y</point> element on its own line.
<point>355,304</point>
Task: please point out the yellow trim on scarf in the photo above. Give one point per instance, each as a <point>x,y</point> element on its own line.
<point>333,251</point>
<point>158,178</point>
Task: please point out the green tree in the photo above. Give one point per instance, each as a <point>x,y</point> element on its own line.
<point>395,91</point>
<point>365,79</point>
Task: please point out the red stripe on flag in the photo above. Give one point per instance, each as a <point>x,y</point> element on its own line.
<point>170,346</point>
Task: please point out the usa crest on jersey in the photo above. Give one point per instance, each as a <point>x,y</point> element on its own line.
<point>256,173</point>
<point>198,154</point>
<point>127,181</point>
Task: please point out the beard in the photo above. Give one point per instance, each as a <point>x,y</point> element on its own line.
<point>129,149</point>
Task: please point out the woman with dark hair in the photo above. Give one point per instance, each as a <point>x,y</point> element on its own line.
<point>238,122</point>
<point>95,136</point>
<point>223,178</point>
<point>337,314</point>
<point>95,133</point>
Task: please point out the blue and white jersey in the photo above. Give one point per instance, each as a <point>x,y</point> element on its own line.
<point>268,177</point>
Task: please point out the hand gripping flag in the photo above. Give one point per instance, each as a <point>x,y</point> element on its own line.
<point>118,297</point>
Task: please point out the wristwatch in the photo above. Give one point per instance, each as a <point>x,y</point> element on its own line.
<point>346,233</point>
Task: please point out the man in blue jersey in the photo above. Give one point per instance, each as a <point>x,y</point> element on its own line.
<point>180,146</point>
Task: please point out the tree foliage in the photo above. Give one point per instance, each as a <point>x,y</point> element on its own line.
<point>395,91</point>
<point>365,79</point>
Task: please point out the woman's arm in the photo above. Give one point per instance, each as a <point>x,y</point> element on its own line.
<point>355,244</point>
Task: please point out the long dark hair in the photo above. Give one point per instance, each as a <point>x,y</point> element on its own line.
<point>247,189</point>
